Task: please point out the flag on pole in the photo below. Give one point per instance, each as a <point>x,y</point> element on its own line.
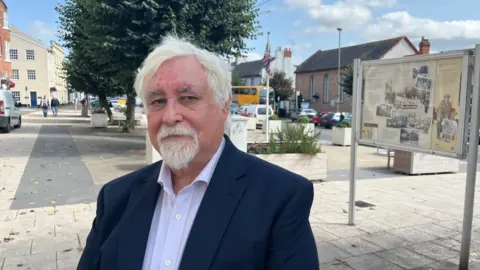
<point>267,59</point>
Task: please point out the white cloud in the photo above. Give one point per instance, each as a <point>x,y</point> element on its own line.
<point>42,31</point>
<point>297,60</point>
<point>375,3</point>
<point>303,3</point>
<point>347,15</point>
<point>252,56</point>
<point>402,23</point>
<point>301,47</point>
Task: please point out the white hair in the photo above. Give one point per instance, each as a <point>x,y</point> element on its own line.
<point>218,75</point>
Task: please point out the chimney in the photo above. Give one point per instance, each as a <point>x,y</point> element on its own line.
<point>424,46</point>
<point>287,53</point>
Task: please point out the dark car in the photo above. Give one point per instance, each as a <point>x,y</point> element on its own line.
<point>331,119</point>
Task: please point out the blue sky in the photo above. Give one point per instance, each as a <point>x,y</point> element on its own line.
<point>311,25</point>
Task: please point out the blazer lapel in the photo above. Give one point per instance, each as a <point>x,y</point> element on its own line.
<point>134,227</point>
<point>219,202</point>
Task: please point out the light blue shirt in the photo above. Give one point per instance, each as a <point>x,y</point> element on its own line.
<point>174,216</point>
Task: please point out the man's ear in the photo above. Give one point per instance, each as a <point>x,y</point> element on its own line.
<point>226,107</point>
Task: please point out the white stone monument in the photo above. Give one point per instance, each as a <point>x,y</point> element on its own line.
<point>236,130</point>
<point>152,154</point>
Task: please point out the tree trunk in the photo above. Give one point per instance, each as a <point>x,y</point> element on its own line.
<point>104,103</point>
<point>130,113</point>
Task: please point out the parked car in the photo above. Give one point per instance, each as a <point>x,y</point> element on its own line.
<point>331,119</point>
<point>10,115</point>
<point>256,111</point>
<point>310,113</point>
<point>234,108</point>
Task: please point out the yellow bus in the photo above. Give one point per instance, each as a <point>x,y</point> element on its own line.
<point>250,95</point>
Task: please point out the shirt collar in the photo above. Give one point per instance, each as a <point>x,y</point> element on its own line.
<point>165,176</point>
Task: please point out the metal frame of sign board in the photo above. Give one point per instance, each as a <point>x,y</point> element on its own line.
<point>467,61</point>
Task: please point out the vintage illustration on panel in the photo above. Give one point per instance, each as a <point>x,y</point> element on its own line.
<point>408,104</point>
<point>446,112</point>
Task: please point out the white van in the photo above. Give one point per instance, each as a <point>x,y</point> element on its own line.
<point>256,111</point>
<point>10,115</point>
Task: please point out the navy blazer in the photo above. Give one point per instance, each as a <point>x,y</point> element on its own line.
<point>254,215</point>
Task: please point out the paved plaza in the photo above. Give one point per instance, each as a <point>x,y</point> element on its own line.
<point>51,170</point>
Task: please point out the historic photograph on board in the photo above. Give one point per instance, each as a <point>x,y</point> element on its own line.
<point>384,110</point>
<point>410,137</point>
<point>446,111</point>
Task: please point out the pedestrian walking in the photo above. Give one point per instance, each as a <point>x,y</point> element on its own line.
<point>44,105</point>
<point>54,104</point>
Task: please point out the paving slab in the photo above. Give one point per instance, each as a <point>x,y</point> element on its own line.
<point>55,173</point>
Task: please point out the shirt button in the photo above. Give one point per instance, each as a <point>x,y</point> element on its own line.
<point>178,216</point>
<point>168,262</point>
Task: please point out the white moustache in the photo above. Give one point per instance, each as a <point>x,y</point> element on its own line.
<point>177,130</point>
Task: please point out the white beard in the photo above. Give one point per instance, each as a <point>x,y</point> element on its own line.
<point>177,153</point>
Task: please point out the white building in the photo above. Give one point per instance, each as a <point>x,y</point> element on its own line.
<point>253,73</point>
<point>36,69</point>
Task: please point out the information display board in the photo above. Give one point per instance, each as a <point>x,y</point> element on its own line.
<point>415,103</point>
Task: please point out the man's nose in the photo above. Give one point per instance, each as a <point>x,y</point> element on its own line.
<point>172,115</point>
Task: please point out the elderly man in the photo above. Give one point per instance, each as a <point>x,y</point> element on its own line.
<point>207,205</point>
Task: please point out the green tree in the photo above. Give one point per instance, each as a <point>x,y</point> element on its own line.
<point>120,33</point>
<point>82,73</point>
<point>237,81</point>
<point>347,76</point>
<point>347,79</point>
<point>282,85</point>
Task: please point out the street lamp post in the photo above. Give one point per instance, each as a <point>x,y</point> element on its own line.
<point>339,89</point>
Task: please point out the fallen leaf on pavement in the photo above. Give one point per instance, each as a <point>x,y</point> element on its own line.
<point>53,202</point>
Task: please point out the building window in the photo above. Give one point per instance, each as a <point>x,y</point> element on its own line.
<point>5,20</point>
<point>30,54</point>
<point>16,95</point>
<point>15,74</point>
<point>7,50</point>
<point>311,87</point>
<point>31,75</point>
<point>325,89</point>
<point>13,54</point>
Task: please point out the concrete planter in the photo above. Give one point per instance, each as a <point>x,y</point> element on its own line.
<point>342,136</point>
<point>418,163</point>
<point>312,167</point>
<point>251,123</point>
<point>274,126</point>
<point>99,120</point>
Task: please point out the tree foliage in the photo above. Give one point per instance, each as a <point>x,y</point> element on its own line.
<point>282,85</point>
<point>347,79</point>
<point>118,34</point>
<point>237,81</point>
<point>347,76</point>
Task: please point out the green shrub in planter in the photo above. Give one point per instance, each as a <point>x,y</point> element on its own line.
<point>293,139</point>
<point>303,120</point>
<point>344,124</point>
<point>273,117</point>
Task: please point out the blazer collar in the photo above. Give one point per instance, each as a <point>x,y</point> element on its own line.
<point>225,190</point>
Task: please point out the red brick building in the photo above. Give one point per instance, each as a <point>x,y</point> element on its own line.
<point>317,77</point>
<point>5,64</point>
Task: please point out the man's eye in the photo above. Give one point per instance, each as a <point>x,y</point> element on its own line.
<point>189,98</point>
<point>157,102</point>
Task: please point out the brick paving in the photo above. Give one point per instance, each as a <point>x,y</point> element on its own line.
<point>415,223</point>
